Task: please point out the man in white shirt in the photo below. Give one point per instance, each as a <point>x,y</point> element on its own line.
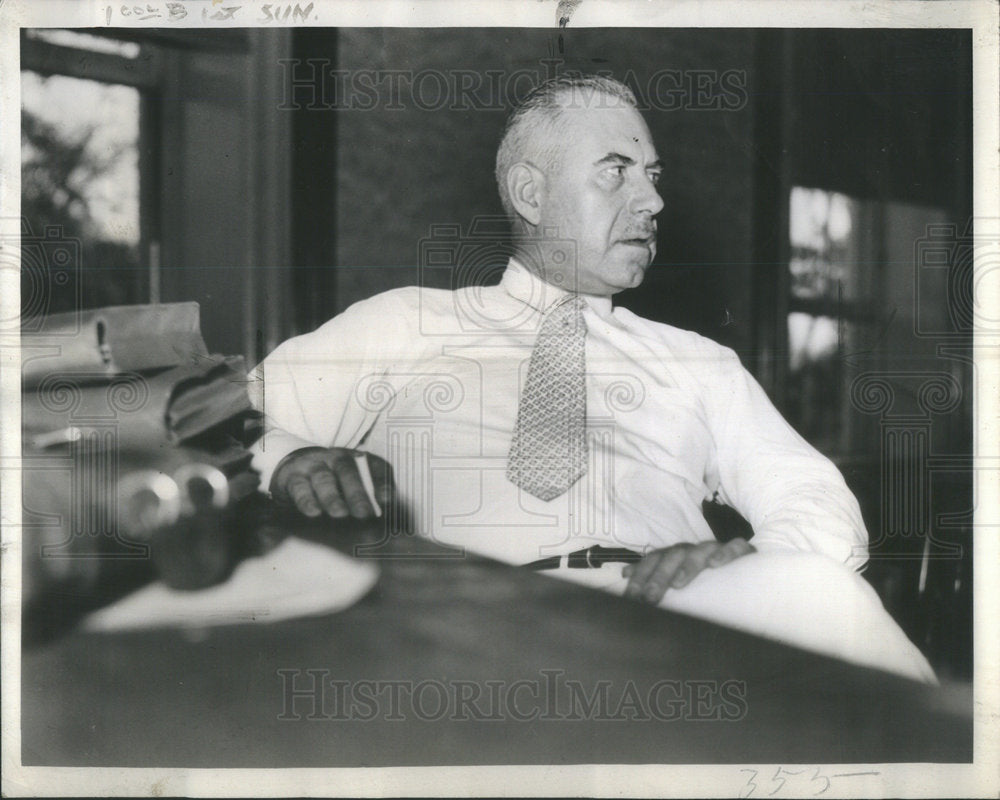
<point>534,423</point>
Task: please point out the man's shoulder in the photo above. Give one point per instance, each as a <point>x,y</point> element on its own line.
<point>440,310</point>
<point>404,302</point>
<point>675,339</point>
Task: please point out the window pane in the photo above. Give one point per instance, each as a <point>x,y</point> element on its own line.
<point>85,41</point>
<point>829,233</point>
<point>819,376</point>
<point>833,275</point>
<point>80,173</point>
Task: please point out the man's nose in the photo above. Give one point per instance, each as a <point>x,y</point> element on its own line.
<point>646,199</point>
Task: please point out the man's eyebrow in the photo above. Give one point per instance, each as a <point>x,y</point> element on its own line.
<point>618,158</point>
<point>615,158</point>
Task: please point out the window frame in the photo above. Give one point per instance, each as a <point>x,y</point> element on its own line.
<point>144,73</point>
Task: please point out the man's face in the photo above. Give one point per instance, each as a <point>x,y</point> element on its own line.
<point>602,196</point>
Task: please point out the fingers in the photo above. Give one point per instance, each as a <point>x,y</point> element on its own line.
<point>382,478</point>
<point>324,484</point>
<point>651,576</point>
<point>731,550</point>
<point>696,560</point>
<point>316,491</point>
<point>351,487</point>
<point>300,492</point>
<point>317,480</point>
<point>675,567</point>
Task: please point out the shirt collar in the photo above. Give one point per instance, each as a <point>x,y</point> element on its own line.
<point>524,285</point>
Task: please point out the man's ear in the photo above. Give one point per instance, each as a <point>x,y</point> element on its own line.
<point>525,185</point>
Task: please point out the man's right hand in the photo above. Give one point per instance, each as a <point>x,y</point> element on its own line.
<point>319,479</point>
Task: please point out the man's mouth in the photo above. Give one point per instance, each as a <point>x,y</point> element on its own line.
<point>640,241</point>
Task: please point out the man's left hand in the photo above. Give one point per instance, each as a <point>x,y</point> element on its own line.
<point>676,566</point>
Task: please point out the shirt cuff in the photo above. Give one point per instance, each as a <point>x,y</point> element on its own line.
<point>269,450</point>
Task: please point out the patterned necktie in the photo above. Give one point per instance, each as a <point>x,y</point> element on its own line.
<point>548,452</point>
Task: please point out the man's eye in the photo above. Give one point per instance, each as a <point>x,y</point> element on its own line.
<point>654,177</point>
<point>616,171</point>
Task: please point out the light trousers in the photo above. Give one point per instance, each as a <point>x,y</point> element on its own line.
<point>800,599</point>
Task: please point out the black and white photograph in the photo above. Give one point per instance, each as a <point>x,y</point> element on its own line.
<point>581,398</point>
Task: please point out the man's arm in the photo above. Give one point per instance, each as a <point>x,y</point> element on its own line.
<point>313,421</point>
<point>794,497</point>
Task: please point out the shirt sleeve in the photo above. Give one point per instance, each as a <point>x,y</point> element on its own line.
<point>307,388</point>
<point>792,495</point>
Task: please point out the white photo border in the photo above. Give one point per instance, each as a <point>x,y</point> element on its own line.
<point>979,779</point>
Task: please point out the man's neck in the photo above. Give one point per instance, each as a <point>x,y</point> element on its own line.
<point>526,285</point>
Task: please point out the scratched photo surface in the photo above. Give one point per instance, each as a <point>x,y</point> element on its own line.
<point>346,442</point>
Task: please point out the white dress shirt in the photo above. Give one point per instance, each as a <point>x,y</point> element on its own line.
<point>430,380</point>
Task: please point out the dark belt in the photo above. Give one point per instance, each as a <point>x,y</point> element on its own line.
<point>589,558</point>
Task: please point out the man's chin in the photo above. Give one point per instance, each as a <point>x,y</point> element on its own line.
<point>632,256</point>
<point>634,272</point>
<point>616,275</point>
<point>626,279</point>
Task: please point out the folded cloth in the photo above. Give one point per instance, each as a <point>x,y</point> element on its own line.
<point>296,579</point>
<point>110,341</point>
<point>172,406</point>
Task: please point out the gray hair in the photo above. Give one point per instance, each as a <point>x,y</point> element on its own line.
<point>529,134</point>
